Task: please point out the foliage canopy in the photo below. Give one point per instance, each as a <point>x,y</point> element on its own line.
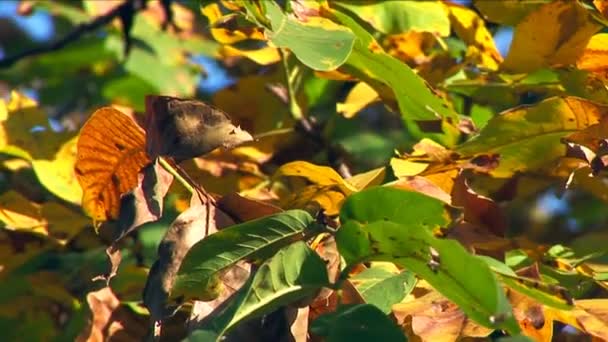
<point>375,170</point>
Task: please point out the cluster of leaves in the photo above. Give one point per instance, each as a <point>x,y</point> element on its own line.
<point>276,238</point>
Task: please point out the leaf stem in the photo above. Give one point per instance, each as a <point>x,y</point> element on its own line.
<point>294,108</point>
<point>165,164</point>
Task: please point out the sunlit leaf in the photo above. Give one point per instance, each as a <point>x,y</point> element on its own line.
<point>373,231</point>
<point>111,151</point>
<point>472,30</point>
<point>434,318</point>
<point>553,34</point>
<point>58,175</point>
<point>319,43</point>
<point>244,241</point>
<point>392,17</point>
<point>528,138</point>
<point>383,288</point>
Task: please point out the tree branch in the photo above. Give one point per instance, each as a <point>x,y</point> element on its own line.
<point>121,11</point>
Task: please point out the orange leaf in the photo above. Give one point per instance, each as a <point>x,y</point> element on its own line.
<point>111,151</point>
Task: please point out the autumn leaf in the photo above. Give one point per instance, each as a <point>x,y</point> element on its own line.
<point>200,220</point>
<point>432,317</point>
<point>553,34</point>
<point>593,58</point>
<point>109,157</point>
<point>471,28</point>
<point>48,219</point>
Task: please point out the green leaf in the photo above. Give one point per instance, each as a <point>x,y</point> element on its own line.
<point>360,322</point>
<point>243,241</point>
<point>400,206</point>
<point>321,45</point>
<point>379,70</point>
<point>540,291</point>
<point>406,240</point>
<point>393,17</point>
<point>294,273</point>
<point>383,288</point>
<point>528,138</point>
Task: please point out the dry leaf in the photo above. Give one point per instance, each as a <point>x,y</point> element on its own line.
<point>109,321</point>
<point>478,209</point>
<point>243,209</point>
<point>184,129</point>
<point>141,205</point>
<point>434,318</point>
<point>109,156</point>
<point>201,219</point>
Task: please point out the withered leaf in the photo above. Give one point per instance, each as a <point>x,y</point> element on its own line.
<point>141,205</point>
<point>244,209</point>
<point>109,156</point>
<point>201,219</point>
<point>184,129</point>
<point>478,209</point>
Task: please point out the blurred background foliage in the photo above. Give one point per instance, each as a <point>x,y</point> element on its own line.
<point>45,276</point>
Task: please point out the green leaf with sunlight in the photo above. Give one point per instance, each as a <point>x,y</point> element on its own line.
<point>253,239</point>
<point>383,288</point>
<point>384,233</point>
<point>393,17</point>
<point>528,138</point>
<point>320,43</point>
<point>544,293</point>
<point>378,69</point>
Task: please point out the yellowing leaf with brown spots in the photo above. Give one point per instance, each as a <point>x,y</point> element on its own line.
<point>431,317</point>
<point>111,151</point>
<point>472,30</point>
<point>554,34</point>
<point>595,56</point>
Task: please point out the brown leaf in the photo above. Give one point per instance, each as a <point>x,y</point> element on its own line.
<point>478,209</point>
<point>110,321</point>
<point>184,129</point>
<point>244,209</point>
<point>232,279</point>
<point>109,157</point>
<point>434,318</point>
<point>201,219</point>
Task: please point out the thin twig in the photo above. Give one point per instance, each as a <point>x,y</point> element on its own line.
<point>76,33</point>
<point>165,164</point>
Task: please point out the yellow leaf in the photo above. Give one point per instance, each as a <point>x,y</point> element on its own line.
<point>411,47</point>
<point>18,213</point>
<point>602,6</point>
<point>111,151</point>
<point>264,56</point>
<point>367,179</point>
<point>595,56</point>
<point>406,168</point>
<point>472,30</point>
<point>359,97</point>
<point>58,174</point>
<point>50,219</point>
<point>554,34</point>
<point>23,126</point>
<point>319,175</point>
